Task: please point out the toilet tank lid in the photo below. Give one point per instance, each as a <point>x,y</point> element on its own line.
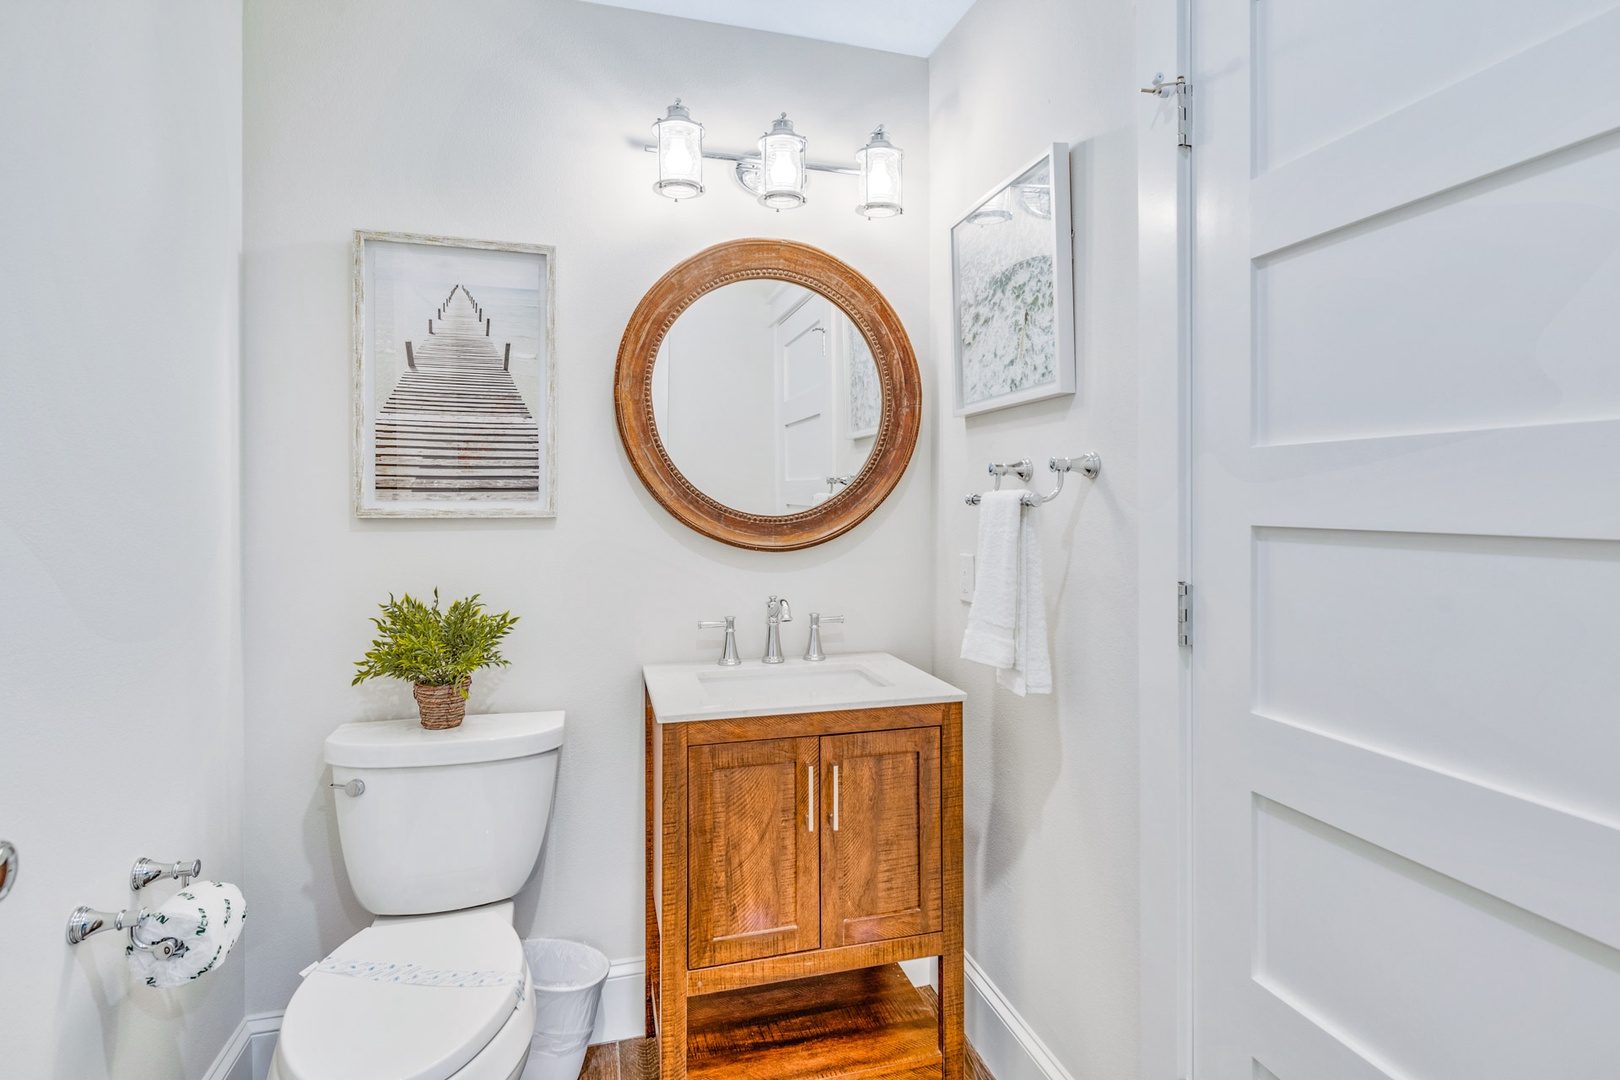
<point>401,744</point>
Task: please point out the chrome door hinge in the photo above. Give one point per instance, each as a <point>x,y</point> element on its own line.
<point>1184,613</point>
<point>1182,90</point>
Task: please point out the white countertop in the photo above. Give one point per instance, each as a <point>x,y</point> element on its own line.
<point>708,691</point>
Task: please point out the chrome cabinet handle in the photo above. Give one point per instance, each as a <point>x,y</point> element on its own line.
<point>810,800</point>
<point>835,798</point>
<point>8,867</point>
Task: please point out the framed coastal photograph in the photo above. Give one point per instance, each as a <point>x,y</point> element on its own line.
<point>861,381</point>
<point>1012,287</point>
<point>454,395</point>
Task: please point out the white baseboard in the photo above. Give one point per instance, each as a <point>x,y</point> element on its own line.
<point>1009,1047</point>
<point>246,1054</point>
<point>623,1012</point>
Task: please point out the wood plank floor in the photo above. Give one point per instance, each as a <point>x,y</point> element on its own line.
<point>637,1059</point>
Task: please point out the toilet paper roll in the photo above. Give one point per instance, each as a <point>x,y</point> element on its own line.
<point>188,936</point>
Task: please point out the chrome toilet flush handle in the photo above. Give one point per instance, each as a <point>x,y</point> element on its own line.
<point>353,789</point>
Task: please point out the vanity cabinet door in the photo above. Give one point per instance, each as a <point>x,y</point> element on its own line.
<point>752,855</point>
<point>880,844</point>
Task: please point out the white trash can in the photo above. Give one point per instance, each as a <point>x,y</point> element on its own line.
<point>568,980</point>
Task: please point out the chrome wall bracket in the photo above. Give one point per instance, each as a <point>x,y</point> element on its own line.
<point>85,922</point>
<point>147,871</point>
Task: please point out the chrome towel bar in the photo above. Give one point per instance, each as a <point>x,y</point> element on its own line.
<point>1088,465</point>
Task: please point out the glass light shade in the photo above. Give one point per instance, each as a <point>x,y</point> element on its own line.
<point>782,174</point>
<point>880,162</point>
<point>993,211</point>
<point>680,154</point>
<point>1036,199</point>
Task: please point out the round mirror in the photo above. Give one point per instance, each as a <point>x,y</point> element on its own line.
<point>767,394</point>
<point>766,397</point>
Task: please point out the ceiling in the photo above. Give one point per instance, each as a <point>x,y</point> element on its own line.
<point>913,27</point>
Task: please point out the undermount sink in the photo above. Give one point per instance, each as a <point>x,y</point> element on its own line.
<point>725,686</point>
<point>707,691</point>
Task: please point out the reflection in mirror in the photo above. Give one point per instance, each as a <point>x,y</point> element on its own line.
<point>766,397</point>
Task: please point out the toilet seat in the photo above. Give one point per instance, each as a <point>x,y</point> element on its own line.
<point>340,1027</point>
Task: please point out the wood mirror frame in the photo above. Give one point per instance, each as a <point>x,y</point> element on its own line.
<point>860,300</point>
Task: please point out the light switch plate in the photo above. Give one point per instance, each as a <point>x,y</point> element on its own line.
<point>965,578</point>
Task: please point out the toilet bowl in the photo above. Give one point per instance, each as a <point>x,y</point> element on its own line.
<point>445,828</point>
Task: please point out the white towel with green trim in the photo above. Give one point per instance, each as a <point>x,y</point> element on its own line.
<point>188,936</point>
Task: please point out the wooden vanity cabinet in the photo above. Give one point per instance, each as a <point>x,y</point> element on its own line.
<point>796,848</point>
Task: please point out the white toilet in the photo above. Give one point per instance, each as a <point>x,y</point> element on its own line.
<point>441,830</point>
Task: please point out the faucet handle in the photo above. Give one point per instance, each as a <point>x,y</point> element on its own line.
<point>813,652</point>
<point>728,655</point>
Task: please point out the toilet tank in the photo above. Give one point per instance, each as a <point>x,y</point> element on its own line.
<point>448,819</point>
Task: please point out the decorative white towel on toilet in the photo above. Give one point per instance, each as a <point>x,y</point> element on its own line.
<point>1007,622</point>
<point>202,920</point>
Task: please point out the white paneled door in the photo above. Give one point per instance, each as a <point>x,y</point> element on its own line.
<point>804,416</point>
<point>1406,540</point>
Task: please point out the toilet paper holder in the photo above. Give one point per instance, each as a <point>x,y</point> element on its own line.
<point>85,921</point>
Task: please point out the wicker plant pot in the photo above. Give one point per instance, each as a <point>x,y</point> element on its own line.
<point>442,707</point>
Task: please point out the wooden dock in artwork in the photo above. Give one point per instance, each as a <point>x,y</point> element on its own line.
<point>455,426</point>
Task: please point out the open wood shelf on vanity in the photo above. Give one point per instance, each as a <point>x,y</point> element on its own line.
<point>792,861</point>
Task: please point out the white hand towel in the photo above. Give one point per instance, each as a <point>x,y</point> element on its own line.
<point>204,918</point>
<point>1007,623</point>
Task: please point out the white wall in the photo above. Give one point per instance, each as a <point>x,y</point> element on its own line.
<point>120,732</point>
<point>1051,781</point>
<point>514,119</point>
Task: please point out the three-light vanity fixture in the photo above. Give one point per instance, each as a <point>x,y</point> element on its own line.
<point>777,174</point>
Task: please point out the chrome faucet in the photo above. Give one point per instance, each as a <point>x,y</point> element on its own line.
<point>777,612</point>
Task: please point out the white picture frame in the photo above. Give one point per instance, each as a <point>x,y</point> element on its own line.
<point>863,392</point>
<point>1012,290</point>
<point>450,422</point>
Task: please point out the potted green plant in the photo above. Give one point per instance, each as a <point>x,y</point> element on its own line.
<point>436,651</point>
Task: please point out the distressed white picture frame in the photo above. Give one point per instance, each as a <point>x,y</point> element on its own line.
<point>490,451</point>
<point>862,389</point>
<point>1005,354</point>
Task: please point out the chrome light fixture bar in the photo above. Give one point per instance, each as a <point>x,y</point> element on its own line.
<point>777,175</point>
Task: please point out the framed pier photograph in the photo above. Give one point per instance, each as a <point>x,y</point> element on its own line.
<point>454,394</point>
